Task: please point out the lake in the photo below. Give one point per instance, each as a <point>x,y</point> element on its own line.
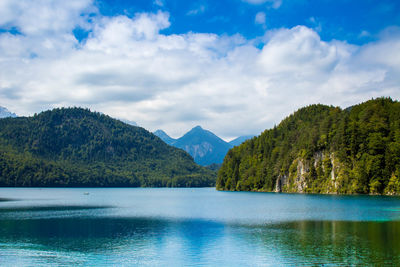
<point>194,227</point>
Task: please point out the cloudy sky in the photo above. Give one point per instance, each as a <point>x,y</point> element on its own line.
<point>235,67</point>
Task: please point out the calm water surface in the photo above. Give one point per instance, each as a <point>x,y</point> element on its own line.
<point>195,227</point>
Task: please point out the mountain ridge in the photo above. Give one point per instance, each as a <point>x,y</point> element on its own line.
<point>77,147</point>
<point>239,140</point>
<point>205,147</point>
<point>164,136</point>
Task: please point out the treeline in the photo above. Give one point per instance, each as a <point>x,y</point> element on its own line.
<point>322,149</point>
<point>76,147</point>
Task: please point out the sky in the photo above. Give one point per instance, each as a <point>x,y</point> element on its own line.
<point>235,67</point>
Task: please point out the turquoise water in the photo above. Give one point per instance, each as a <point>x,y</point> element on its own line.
<point>195,227</point>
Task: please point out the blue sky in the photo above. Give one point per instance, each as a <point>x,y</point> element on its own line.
<point>235,67</point>
<point>354,21</point>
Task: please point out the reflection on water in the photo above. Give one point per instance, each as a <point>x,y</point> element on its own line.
<point>122,230</point>
<point>103,240</point>
<point>6,199</point>
<point>334,242</point>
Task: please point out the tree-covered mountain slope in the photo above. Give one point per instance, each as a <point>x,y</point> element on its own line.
<point>76,147</point>
<point>322,149</point>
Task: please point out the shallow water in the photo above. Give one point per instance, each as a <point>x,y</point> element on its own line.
<point>174,227</point>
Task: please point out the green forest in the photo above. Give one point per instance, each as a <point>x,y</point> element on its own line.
<point>322,149</point>
<point>74,147</point>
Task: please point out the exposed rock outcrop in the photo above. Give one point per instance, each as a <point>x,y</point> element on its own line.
<point>300,177</point>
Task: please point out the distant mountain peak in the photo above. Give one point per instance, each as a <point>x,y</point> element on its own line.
<point>133,123</point>
<point>196,130</point>
<point>164,136</point>
<point>159,131</point>
<point>204,146</point>
<point>239,140</point>
<point>4,113</point>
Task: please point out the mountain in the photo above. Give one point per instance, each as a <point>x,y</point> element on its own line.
<point>4,113</point>
<point>133,123</point>
<point>76,147</point>
<point>322,149</point>
<point>205,147</point>
<point>165,137</point>
<point>240,140</point>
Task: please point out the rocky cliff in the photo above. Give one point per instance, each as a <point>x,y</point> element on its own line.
<point>302,174</point>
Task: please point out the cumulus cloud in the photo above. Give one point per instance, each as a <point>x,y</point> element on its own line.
<point>38,17</point>
<point>302,52</point>
<point>128,69</point>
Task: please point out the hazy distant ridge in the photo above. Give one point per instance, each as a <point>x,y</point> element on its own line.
<point>204,146</point>
<point>4,113</point>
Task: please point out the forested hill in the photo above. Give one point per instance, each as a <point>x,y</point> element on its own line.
<point>76,147</point>
<point>322,149</point>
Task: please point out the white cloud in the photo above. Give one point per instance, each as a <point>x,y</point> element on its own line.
<point>274,3</point>
<point>299,51</point>
<point>317,26</point>
<point>128,69</point>
<point>364,34</point>
<point>159,3</point>
<point>39,17</point>
<point>260,18</point>
<point>198,10</point>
